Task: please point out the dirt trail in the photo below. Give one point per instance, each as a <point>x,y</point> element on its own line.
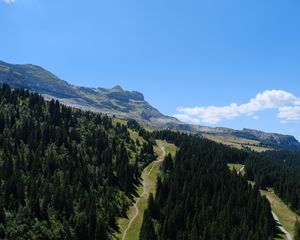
<point>146,190</point>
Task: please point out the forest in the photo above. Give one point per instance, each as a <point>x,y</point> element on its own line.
<point>64,173</point>
<point>199,198</point>
<point>278,170</point>
<point>71,174</point>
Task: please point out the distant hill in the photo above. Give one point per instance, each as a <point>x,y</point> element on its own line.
<point>122,104</point>
<point>249,138</point>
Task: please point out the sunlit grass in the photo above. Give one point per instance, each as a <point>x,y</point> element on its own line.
<point>149,176</point>
<point>239,143</point>
<point>286,216</point>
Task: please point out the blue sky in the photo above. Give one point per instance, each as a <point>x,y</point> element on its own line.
<point>185,56</point>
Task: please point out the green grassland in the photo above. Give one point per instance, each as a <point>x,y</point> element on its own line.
<point>286,216</point>
<point>239,143</point>
<point>169,148</point>
<point>149,177</point>
<point>237,167</point>
<point>119,120</point>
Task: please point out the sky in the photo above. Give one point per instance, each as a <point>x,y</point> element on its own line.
<point>227,63</point>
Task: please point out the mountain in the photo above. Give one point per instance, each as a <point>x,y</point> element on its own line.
<point>255,137</point>
<point>123,104</point>
<point>115,101</point>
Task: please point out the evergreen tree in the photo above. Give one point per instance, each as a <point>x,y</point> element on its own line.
<point>168,164</point>
<point>297,230</point>
<point>147,231</point>
<point>197,197</point>
<point>101,232</point>
<point>2,212</point>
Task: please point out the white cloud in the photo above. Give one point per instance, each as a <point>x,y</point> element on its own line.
<point>255,117</point>
<point>8,1</point>
<point>287,104</point>
<point>289,113</point>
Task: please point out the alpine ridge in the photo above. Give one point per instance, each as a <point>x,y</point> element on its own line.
<point>123,104</point>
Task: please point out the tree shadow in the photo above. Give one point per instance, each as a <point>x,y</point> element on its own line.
<point>278,233</point>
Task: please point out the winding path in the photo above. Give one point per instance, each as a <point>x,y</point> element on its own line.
<point>136,211</point>
<point>146,191</point>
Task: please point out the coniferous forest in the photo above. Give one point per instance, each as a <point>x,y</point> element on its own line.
<point>199,198</point>
<point>278,170</point>
<point>65,173</point>
<point>71,174</point>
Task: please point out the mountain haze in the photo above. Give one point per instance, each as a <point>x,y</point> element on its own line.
<point>122,104</point>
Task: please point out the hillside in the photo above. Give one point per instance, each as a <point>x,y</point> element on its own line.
<point>250,138</point>
<point>127,104</point>
<point>64,173</point>
<point>198,198</point>
<point>72,174</point>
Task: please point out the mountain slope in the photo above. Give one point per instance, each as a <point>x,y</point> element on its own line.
<point>124,104</point>
<point>254,137</point>
<point>64,173</point>
<point>115,101</point>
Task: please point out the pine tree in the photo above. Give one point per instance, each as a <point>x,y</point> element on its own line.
<point>152,207</point>
<point>81,227</point>
<point>101,233</point>
<point>168,164</point>
<point>2,212</point>
<point>92,217</point>
<point>147,230</point>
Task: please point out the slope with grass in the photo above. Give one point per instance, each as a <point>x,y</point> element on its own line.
<point>239,168</point>
<point>130,227</point>
<point>197,197</point>
<point>285,215</point>
<point>237,142</point>
<point>64,173</point>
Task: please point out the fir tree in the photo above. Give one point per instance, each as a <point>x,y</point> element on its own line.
<point>147,230</point>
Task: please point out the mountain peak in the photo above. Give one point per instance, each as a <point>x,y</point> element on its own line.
<point>118,88</point>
